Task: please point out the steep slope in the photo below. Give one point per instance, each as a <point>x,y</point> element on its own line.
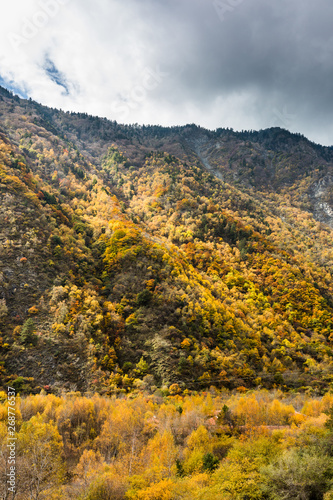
<point>158,256</point>
<point>272,160</point>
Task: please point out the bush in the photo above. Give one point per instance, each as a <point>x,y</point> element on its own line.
<point>106,487</point>
<point>210,462</point>
<point>299,474</point>
<point>3,308</point>
<point>28,335</point>
<point>143,298</point>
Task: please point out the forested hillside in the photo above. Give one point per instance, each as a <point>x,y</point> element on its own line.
<point>208,446</point>
<point>136,258</point>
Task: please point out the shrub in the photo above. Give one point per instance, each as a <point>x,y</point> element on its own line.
<point>143,298</point>
<point>299,474</point>
<point>28,335</point>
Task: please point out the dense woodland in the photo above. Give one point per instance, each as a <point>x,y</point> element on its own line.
<point>208,446</point>
<point>145,266</point>
<point>121,273</point>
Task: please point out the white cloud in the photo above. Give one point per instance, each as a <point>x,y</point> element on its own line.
<point>176,61</point>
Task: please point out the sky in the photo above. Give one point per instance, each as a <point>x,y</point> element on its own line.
<point>242,64</point>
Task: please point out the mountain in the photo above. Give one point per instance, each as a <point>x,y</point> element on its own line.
<point>134,257</point>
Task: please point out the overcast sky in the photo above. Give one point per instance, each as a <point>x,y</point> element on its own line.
<point>246,64</point>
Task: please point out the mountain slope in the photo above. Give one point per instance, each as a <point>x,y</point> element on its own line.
<point>142,256</point>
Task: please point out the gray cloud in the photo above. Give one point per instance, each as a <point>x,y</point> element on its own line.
<point>232,63</point>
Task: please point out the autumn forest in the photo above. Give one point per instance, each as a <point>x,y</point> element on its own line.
<point>166,301</point>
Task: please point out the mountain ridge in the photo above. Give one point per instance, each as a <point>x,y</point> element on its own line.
<point>156,256</point>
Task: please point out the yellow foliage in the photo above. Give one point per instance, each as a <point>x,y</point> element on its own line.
<point>33,310</point>
<point>89,466</point>
<point>161,453</point>
<point>162,490</point>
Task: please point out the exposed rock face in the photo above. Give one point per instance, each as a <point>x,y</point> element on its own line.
<point>322,195</point>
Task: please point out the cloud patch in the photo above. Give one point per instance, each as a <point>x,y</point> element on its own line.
<point>246,64</point>
<point>55,75</point>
